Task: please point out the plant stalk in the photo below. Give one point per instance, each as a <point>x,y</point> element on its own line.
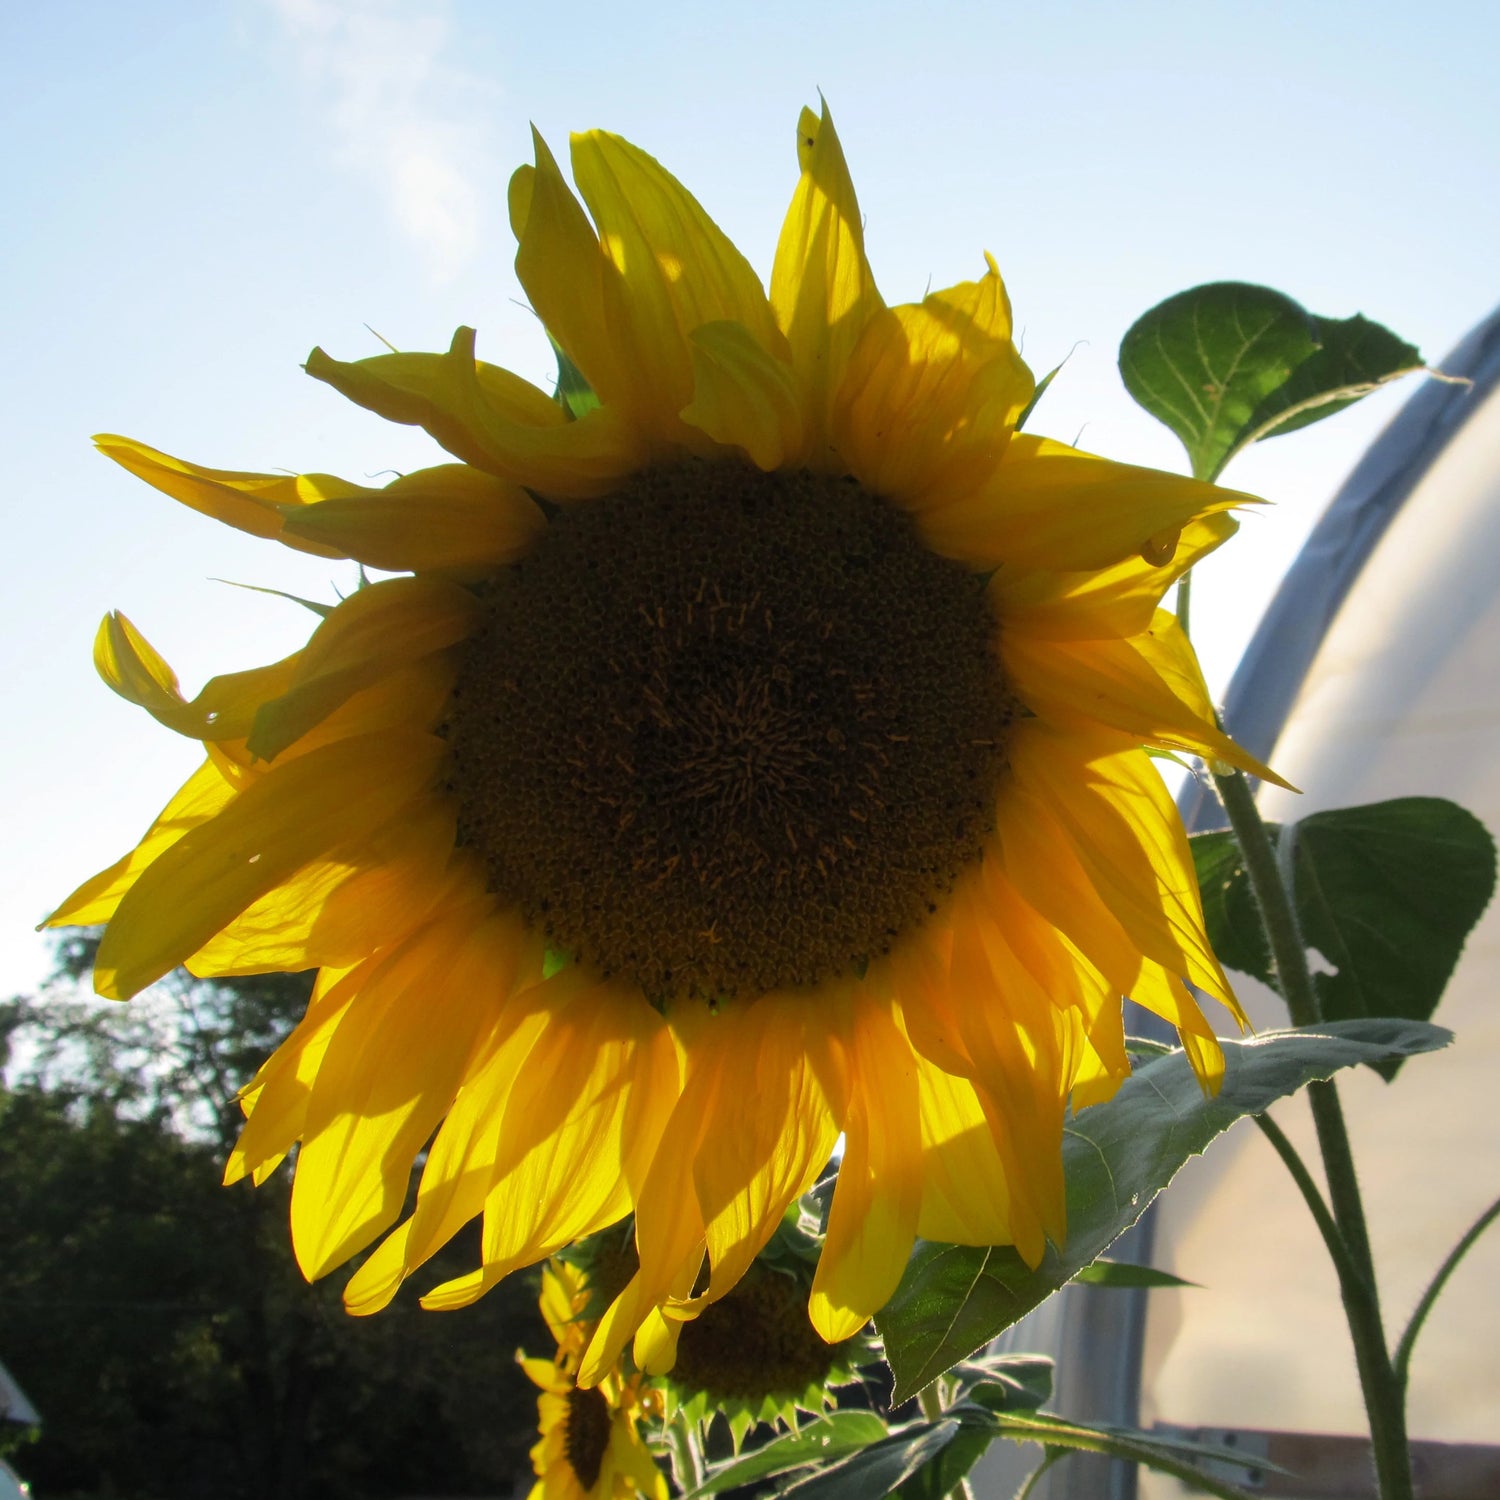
<point>1383,1391</point>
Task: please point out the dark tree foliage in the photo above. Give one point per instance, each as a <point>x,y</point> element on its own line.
<point>158,1320</point>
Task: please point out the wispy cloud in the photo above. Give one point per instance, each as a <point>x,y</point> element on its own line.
<point>397,104</point>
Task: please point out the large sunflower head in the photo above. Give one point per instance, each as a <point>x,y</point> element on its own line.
<point>755,752</point>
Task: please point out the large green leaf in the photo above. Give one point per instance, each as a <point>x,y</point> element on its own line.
<point>821,1441</point>
<point>880,1468</point>
<point>949,1467</point>
<point>1387,893</point>
<point>1230,363</point>
<point>1184,1460</point>
<point>1117,1156</point>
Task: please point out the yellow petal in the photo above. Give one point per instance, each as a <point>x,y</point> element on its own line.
<point>390,1072</point>
<point>275,1100</point>
<point>406,698</point>
<point>872,1222</point>
<point>580,1125</point>
<point>1114,601</point>
<point>224,710</point>
<point>1171,999</point>
<point>931,395</point>
<point>560,264</point>
<point>743,396</point>
<point>965,1191</point>
<point>450,518</point>
<point>277,824</point>
<point>822,289</point>
<point>338,910</point>
<point>773,1110</point>
<point>1123,828</point>
<point>487,423</point>
<point>1148,686</point>
<point>668,270</point>
<point>371,634</point>
<point>204,794</point>
<point>247,501</point>
<point>1053,507</point>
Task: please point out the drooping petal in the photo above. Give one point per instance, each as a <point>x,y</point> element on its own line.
<point>451,519</point>
<point>1111,602</point>
<point>390,1072</point>
<point>276,825</point>
<point>822,289</point>
<point>576,1130</point>
<point>275,1100</point>
<point>372,634</point>
<point>1053,507</point>
<point>755,1123</point>
<point>224,710</point>
<point>931,395</point>
<point>743,396</point>
<point>489,423</point>
<point>872,1221</point>
<point>966,1193</point>
<point>668,269</point>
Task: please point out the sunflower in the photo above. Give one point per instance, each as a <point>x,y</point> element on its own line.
<point>590,1446</point>
<point>755,753</point>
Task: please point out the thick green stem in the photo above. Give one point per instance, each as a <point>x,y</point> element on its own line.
<point>930,1403</point>
<point>1384,1396</point>
<point>1185,600</point>
<point>682,1450</point>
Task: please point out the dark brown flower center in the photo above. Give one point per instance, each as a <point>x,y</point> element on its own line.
<point>726,732</point>
<point>586,1431</point>
<point>757,1341</point>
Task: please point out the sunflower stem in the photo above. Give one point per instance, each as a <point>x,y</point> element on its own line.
<point>1185,600</point>
<point>930,1401</point>
<point>682,1451</point>
<point>1384,1395</point>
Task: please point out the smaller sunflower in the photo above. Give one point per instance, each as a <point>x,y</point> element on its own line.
<point>754,1356</point>
<point>590,1446</point>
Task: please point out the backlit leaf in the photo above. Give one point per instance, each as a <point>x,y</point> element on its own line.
<point>1117,1156</point>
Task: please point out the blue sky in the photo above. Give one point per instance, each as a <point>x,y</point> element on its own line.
<point>196,194</point>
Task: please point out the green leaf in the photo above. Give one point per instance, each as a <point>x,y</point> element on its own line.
<point>943,1473</point>
<point>1355,357</point>
<point>1230,914</point>
<point>1387,893</point>
<point>1117,1156</point>
<point>1125,1273</point>
<point>1204,361</point>
<point>880,1469</point>
<point>574,394</point>
<point>1173,1456</point>
<point>1229,364</point>
<point>829,1437</point>
<point>1004,1382</point>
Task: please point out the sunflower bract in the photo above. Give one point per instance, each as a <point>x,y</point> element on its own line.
<point>758,758</point>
